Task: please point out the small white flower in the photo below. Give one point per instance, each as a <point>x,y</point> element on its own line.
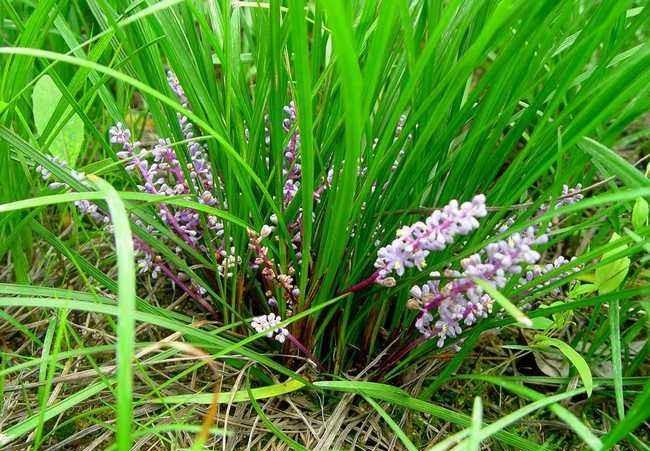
<point>269,324</point>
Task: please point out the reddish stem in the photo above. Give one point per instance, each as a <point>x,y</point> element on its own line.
<point>305,351</point>
<point>404,350</point>
<point>363,284</point>
<point>169,273</point>
<point>205,304</point>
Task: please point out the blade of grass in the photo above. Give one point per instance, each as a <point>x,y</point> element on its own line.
<point>126,311</point>
<point>518,414</point>
<point>401,435</point>
<point>272,427</point>
<point>638,413</point>
<point>563,413</point>
<point>474,439</point>
<point>617,366</point>
<point>305,121</point>
<point>614,163</point>
<point>508,306</point>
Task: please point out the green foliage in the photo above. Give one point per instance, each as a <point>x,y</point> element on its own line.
<point>610,276</point>
<point>574,357</point>
<point>640,213</point>
<point>48,117</point>
<point>410,105</point>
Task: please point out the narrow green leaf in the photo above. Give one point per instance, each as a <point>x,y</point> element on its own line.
<point>62,406</point>
<point>521,413</point>
<point>272,427</point>
<point>474,439</point>
<point>391,423</point>
<point>126,311</point>
<point>508,306</point>
<point>304,96</point>
<point>572,355</point>
<point>617,360</point>
<point>614,163</point>
<point>564,414</point>
<point>638,413</point>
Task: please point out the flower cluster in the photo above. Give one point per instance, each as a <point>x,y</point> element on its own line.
<point>414,243</point>
<point>269,324</point>
<point>460,301</point>
<point>537,271</point>
<point>570,195</point>
<point>271,275</point>
<point>161,172</point>
<point>291,170</point>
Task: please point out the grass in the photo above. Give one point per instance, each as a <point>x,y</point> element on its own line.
<point>403,106</point>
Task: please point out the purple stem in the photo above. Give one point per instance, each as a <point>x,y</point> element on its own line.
<point>363,284</point>
<point>169,273</point>
<point>305,351</point>
<point>205,304</point>
<point>404,350</point>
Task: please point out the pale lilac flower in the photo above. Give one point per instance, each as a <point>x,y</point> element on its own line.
<point>570,195</point>
<point>536,271</point>
<point>175,86</point>
<point>461,301</point>
<point>119,134</point>
<point>414,243</point>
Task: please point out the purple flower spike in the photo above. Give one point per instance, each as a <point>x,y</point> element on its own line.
<point>414,243</point>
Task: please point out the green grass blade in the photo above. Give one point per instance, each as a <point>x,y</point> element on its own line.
<point>576,359</point>
<point>391,423</point>
<point>508,306</point>
<point>474,439</point>
<point>126,311</point>
<point>563,413</point>
<point>614,163</point>
<point>617,365</point>
<point>272,427</point>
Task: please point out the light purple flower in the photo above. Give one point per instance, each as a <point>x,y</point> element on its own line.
<point>414,243</point>
<point>460,301</point>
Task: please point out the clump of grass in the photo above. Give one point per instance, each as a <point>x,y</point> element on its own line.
<point>360,214</point>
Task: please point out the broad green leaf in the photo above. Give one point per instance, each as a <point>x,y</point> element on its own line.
<point>541,323</point>
<point>3,105</point>
<point>640,214</point>
<point>610,276</point>
<point>572,355</point>
<point>582,289</point>
<point>67,143</point>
